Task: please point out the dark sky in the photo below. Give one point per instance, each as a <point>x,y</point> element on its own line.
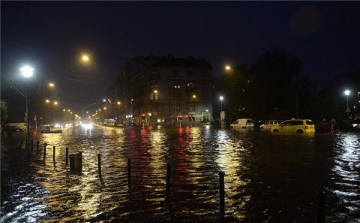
<point>51,36</point>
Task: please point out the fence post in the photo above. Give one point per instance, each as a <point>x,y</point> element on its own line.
<point>168,175</point>
<point>321,207</point>
<point>54,153</point>
<point>44,150</point>
<point>222,194</point>
<point>99,165</point>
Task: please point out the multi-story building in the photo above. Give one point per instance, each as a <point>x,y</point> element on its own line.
<point>165,91</point>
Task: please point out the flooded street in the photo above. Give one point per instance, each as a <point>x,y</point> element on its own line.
<point>268,178</point>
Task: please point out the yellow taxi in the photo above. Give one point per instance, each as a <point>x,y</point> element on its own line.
<point>295,126</point>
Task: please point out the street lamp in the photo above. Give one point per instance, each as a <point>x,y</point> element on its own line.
<point>51,85</point>
<point>222,114</point>
<point>221,99</point>
<point>27,72</point>
<point>347,92</point>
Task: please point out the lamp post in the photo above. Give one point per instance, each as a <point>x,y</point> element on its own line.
<point>347,92</point>
<point>221,99</point>
<point>27,72</point>
<point>51,85</point>
<point>222,113</point>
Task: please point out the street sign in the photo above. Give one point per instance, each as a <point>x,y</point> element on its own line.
<point>348,110</point>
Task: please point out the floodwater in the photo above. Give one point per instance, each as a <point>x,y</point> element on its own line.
<point>268,177</point>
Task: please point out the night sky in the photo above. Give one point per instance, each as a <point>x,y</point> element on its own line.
<point>51,37</point>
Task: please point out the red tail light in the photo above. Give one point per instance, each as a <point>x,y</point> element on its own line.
<point>306,127</point>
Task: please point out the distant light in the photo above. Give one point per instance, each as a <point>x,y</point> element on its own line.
<point>227,67</point>
<point>221,98</point>
<point>27,71</point>
<point>85,58</point>
<point>51,84</point>
<point>347,92</point>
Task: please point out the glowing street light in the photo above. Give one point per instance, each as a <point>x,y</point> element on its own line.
<point>221,99</point>
<point>222,113</point>
<point>85,58</point>
<point>27,72</point>
<point>347,93</point>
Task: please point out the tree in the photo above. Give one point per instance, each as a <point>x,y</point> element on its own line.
<point>234,86</point>
<point>276,85</point>
<point>4,112</point>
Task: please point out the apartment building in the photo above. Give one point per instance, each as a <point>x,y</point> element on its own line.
<point>164,91</point>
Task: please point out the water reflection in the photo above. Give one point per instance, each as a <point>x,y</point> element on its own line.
<point>268,178</point>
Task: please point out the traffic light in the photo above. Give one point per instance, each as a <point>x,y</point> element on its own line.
<point>25,118</point>
<point>180,118</point>
<point>132,101</point>
<point>143,116</point>
<point>109,101</point>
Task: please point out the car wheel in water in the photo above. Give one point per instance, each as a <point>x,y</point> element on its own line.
<point>299,131</point>
<point>275,130</point>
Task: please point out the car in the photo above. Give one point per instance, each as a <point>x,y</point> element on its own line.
<point>243,123</point>
<point>326,126</point>
<point>50,129</point>
<point>356,124</point>
<point>20,125</point>
<point>269,124</point>
<point>10,128</point>
<point>295,126</point>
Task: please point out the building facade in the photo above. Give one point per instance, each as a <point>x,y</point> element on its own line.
<point>164,91</point>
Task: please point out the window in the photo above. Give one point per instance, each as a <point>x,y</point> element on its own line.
<point>154,84</point>
<point>190,73</point>
<point>160,109</point>
<point>153,96</point>
<point>176,73</point>
<point>176,108</point>
<point>205,74</point>
<point>191,109</point>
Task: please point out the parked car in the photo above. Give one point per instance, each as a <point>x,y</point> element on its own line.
<point>50,129</point>
<point>243,123</point>
<point>10,128</point>
<point>20,125</point>
<point>295,126</point>
<point>326,126</point>
<point>269,124</point>
<point>356,124</point>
